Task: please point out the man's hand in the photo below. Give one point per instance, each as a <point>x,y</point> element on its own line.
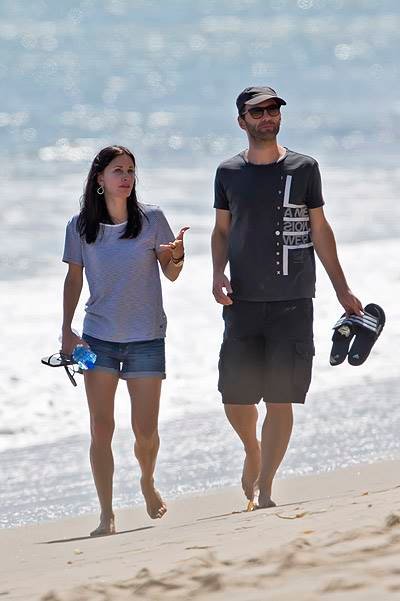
<point>221,282</point>
<point>350,303</point>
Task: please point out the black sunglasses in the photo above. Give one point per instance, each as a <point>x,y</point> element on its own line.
<point>257,112</point>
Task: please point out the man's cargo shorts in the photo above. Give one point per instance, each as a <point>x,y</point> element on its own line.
<point>267,352</point>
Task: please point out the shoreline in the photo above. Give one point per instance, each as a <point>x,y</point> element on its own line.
<point>330,533</point>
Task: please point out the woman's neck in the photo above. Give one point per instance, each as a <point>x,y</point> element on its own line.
<point>117,209</point>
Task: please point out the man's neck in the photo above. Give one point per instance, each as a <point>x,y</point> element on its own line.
<point>262,154</point>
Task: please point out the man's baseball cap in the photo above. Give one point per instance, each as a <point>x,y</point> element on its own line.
<point>254,95</point>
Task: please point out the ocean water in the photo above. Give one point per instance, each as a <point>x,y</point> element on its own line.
<point>162,79</point>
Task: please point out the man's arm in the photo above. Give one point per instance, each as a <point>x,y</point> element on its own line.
<point>219,249</point>
<point>325,247</point>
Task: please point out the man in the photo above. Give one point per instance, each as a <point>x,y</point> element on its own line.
<point>269,219</point>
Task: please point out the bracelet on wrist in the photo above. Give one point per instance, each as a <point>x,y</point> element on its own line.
<point>178,261</point>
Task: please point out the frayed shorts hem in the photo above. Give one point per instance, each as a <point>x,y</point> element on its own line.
<point>130,375</point>
<point>142,374</point>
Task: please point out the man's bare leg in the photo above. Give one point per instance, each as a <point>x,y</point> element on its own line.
<point>100,392</point>
<point>276,432</point>
<point>243,419</point>
<point>145,402</point>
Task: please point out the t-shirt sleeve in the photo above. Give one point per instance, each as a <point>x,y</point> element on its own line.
<point>220,199</point>
<point>163,233</point>
<point>73,244</point>
<point>314,198</point>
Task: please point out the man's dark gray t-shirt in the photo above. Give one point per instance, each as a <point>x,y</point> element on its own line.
<point>271,255</point>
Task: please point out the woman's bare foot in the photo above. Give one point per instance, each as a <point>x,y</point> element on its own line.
<point>155,506</point>
<point>251,470</point>
<point>106,526</point>
<point>265,501</point>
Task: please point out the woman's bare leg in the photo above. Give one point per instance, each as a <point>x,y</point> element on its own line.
<point>145,402</point>
<point>100,392</point>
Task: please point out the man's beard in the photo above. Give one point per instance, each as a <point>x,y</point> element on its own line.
<point>265,135</point>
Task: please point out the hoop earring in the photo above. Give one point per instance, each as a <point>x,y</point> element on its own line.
<point>100,190</point>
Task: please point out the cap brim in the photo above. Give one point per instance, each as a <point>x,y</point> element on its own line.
<point>262,98</point>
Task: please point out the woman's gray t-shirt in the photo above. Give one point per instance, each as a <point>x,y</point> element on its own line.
<point>125,302</point>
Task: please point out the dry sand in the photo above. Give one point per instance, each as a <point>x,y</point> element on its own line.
<point>334,536</point>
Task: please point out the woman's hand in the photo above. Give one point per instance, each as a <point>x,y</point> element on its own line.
<point>170,255</point>
<point>69,342</point>
<point>175,249</point>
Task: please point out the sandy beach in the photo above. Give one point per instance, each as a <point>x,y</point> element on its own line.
<point>162,79</point>
<point>333,536</point>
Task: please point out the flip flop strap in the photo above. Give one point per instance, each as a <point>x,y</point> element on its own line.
<point>342,321</point>
<point>65,359</point>
<point>370,322</point>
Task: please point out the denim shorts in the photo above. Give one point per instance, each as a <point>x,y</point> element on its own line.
<point>140,359</point>
<point>267,352</point>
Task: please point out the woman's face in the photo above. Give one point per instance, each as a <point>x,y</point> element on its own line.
<point>118,177</point>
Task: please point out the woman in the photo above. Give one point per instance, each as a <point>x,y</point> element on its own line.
<point>120,242</point>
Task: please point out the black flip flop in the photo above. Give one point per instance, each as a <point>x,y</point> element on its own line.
<point>65,361</point>
<point>344,330</point>
<point>369,327</point>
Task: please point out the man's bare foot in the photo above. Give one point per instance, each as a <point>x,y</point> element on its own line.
<point>265,501</point>
<point>155,506</point>
<point>106,526</point>
<point>251,470</point>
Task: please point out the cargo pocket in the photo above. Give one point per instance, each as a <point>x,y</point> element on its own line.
<point>241,370</point>
<point>303,358</point>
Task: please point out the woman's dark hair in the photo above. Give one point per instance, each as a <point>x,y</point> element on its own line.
<point>93,207</point>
